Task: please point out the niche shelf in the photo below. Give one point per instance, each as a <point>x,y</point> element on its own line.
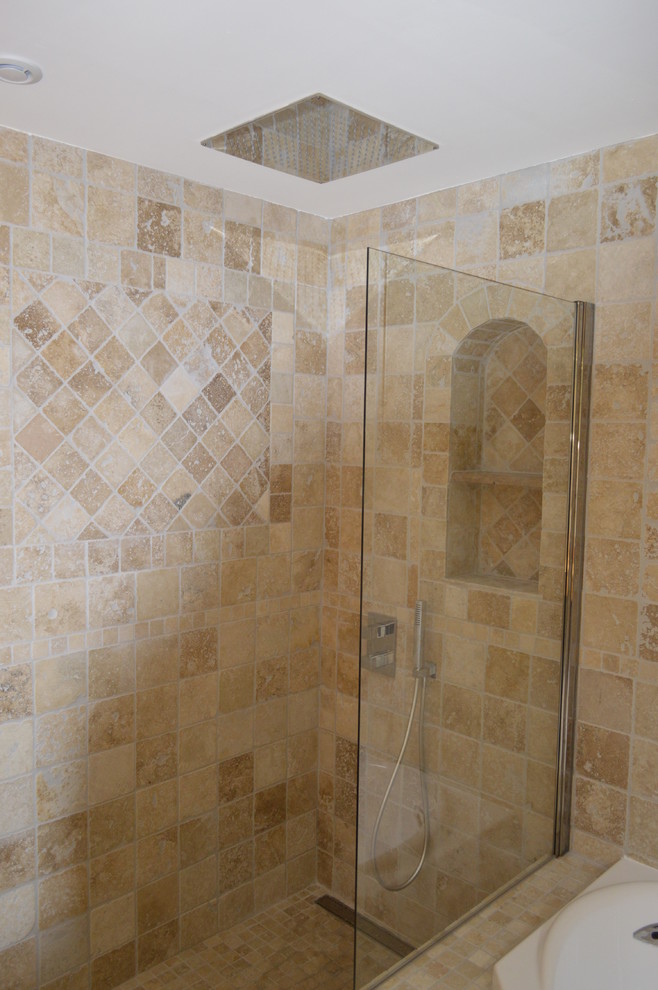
<point>495,488</point>
<point>513,479</point>
<point>497,582</point>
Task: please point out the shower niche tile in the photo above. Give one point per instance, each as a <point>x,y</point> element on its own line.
<point>498,417</point>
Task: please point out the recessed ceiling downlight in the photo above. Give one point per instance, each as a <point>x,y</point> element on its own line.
<point>19,71</point>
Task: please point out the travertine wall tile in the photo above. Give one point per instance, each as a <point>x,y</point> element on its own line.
<point>14,200</point>
<point>572,220</point>
<point>599,243</point>
<point>143,428</point>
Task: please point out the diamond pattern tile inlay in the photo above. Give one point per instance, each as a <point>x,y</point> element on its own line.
<point>515,403</point>
<point>139,413</point>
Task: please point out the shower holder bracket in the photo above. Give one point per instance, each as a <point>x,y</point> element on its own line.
<point>378,648</point>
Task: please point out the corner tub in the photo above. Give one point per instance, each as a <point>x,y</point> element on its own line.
<point>589,944</point>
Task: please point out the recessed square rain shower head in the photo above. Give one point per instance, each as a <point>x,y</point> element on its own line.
<point>319,139</point>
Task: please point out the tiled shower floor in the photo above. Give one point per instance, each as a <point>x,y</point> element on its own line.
<point>294,944</point>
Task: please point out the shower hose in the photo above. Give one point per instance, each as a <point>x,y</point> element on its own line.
<point>420,673</point>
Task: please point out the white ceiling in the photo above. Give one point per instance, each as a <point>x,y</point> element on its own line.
<point>498,84</point>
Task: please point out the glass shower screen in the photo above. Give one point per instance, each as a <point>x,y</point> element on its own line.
<point>474,453</point>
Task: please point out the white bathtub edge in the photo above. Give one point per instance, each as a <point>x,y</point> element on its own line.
<point>519,969</point>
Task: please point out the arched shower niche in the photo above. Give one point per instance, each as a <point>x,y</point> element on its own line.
<point>497,434</point>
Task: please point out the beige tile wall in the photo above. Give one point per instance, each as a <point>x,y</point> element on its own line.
<point>584,228</point>
<point>163,406</point>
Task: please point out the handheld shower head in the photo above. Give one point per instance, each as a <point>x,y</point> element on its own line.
<point>418,634</point>
<point>421,673</point>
